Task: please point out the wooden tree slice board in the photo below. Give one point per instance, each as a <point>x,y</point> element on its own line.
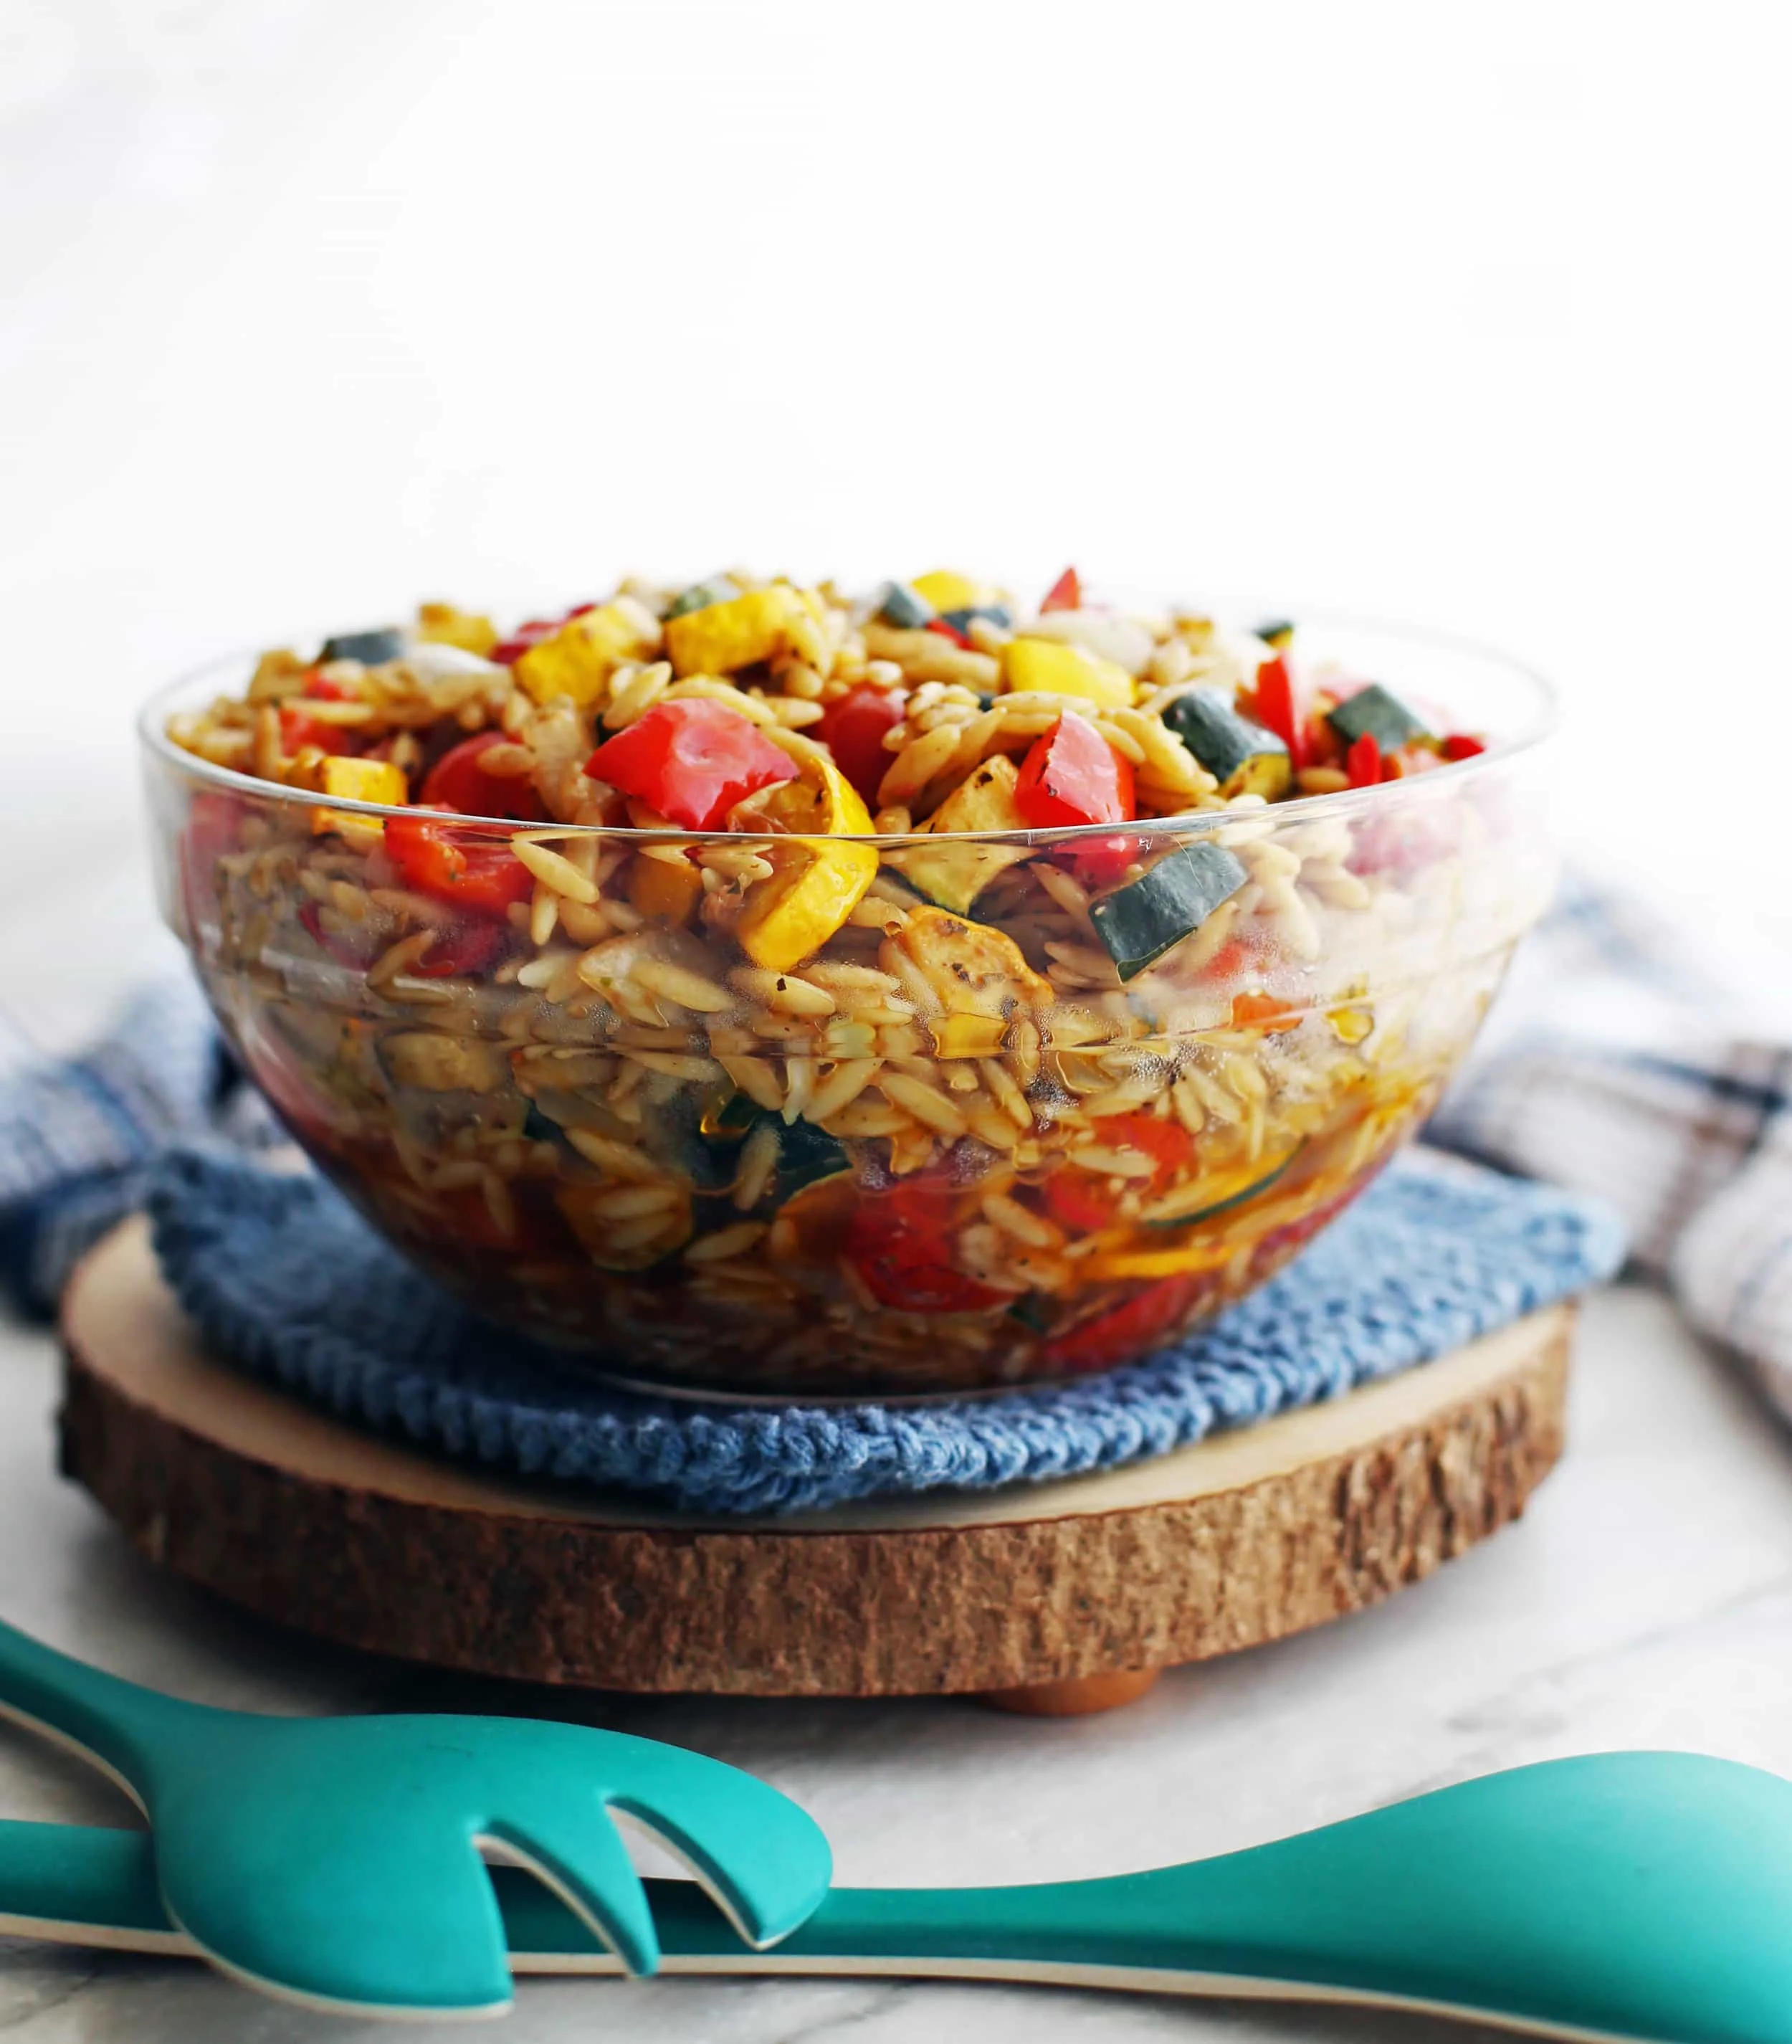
<point>1244,1539</point>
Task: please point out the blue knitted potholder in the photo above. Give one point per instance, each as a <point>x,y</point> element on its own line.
<point>284,1281</point>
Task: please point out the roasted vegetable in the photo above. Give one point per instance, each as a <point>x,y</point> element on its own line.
<point>852,730</point>
<point>1059,667</point>
<point>458,782</point>
<point>901,1244</point>
<point>1141,921</point>
<point>692,761</point>
<point>948,965</point>
<point>722,636</point>
<point>580,656</point>
<point>954,875</point>
<point>816,882</point>
<point>700,595</point>
<point>1246,758</point>
<point>1213,1196</point>
<point>1373,713</point>
<point>372,649</point>
<point>662,887</point>
<point>943,589</point>
<point>1278,711</point>
<point>484,878</point>
<point>1065,594</point>
<point>901,606</point>
<point>997,614</point>
<point>444,624</point>
<point>1072,776</point>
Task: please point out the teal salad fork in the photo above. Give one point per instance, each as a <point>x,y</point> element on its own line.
<point>341,1860</point>
<point>1628,1896</point>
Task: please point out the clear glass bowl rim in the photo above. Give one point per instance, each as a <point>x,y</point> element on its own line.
<point>1543,724</point>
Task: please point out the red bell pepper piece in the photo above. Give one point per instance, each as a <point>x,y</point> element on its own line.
<point>1276,709</point>
<point>1072,775</point>
<point>899,1243</point>
<point>1459,745</point>
<point>1079,1200</point>
<point>691,760</point>
<point>947,631</point>
<point>1253,1010</point>
<point>467,948</point>
<point>508,651</point>
<point>1065,594</point>
<point>1128,1331</point>
<point>1362,762</point>
<point>482,877</point>
<point>324,688</point>
<point>458,782</point>
<point>852,730</point>
<point>297,731</point>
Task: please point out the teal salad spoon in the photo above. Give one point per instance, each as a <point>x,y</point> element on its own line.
<point>1628,1895</point>
<point>341,1861</point>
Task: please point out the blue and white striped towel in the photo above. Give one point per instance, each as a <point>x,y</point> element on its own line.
<point>1604,1072</point>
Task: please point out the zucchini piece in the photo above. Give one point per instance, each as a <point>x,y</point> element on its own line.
<point>805,1153</point>
<point>997,613</point>
<point>1139,922</point>
<point>1245,1186</point>
<point>1035,1311</point>
<point>1372,711</point>
<point>700,595</point>
<point>901,606</point>
<point>372,649</point>
<point>1245,758</point>
<point>1276,631</point>
<point>952,876</point>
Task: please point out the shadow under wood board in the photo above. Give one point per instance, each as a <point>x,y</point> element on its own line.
<point>1054,1597</point>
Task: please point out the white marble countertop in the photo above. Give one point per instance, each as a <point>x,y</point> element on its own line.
<point>1645,1599</point>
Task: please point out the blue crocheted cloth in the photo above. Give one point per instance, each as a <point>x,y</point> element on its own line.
<point>286,1282</point>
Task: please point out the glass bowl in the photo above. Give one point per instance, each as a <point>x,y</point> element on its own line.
<point>945,1154</point>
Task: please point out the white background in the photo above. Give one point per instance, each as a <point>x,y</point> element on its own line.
<point>1473,316</point>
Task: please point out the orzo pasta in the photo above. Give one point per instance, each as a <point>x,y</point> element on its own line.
<point>752,986</point>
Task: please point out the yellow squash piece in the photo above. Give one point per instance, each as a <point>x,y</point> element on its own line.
<point>1115,1264</point>
<point>656,887</point>
<point>580,658</point>
<point>442,625</point>
<point>945,590</point>
<point>1058,669</point>
<point>723,636</point>
<point>954,875</point>
<point>356,781</point>
<point>968,968</point>
<point>816,882</point>
<point>967,1035</point>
